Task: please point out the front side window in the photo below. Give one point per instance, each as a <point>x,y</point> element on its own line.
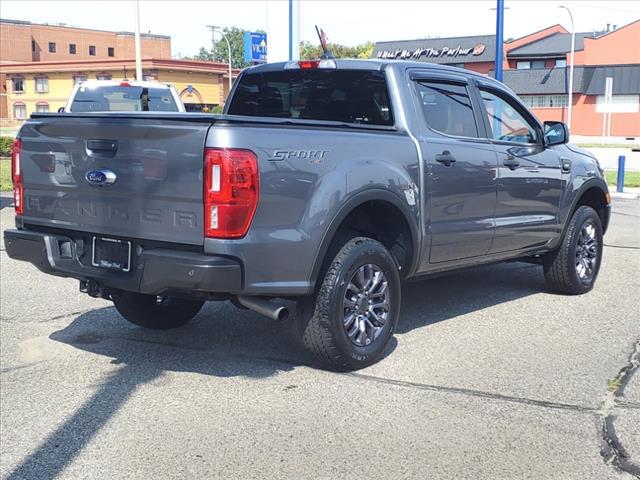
<point>42,84</point>
<point>447,108</point>
<point>17,85</point>
<point>350,96</point>
<point>19,111</point>
<point>507,123</point>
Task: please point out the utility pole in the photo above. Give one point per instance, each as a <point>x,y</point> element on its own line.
<point>573,50</point>
<point>138,46</point>
<point>499,38</point>
<point>215,29</point>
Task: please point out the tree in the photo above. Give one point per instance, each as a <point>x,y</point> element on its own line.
<point>310,50</point>
<point>221,53</point>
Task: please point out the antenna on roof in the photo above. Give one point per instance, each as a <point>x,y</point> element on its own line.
<point>326,53</point>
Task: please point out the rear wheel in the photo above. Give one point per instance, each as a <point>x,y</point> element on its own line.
<point>155,312</point>
<point>574,266</point>
<point>350,321</point>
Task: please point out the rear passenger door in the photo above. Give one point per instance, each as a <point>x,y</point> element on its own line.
<point>529,174</point>
<point>460,167</point>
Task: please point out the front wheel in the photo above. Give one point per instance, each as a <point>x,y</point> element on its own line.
<point>152,311</point>
<point>574,266</point>
<point>349,323</point>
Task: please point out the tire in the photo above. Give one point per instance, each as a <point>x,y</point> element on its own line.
<point>349,337</point>
<point>157,313</point>
<point>573,268</point>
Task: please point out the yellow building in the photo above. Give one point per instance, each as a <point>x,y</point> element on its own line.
<point>45,86</point>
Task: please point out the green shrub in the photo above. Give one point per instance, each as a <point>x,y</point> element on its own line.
<point>5,146</point>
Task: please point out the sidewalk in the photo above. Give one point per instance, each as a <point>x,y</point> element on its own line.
<point>628,193</point>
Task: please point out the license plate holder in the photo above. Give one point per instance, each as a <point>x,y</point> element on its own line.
<point>111,254</point>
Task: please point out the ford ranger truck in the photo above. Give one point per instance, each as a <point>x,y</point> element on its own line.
<point>327,182</point>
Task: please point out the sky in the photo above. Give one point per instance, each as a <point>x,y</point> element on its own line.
<point>346,22</point>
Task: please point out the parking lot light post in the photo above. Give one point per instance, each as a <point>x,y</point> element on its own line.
<point>573,49</point>
<point>213,30</point>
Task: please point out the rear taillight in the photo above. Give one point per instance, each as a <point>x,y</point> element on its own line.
<point>16,176</point>
<point>230,191</point>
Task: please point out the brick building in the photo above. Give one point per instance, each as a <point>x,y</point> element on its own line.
<point>39,64</point>
<point>536,67</point>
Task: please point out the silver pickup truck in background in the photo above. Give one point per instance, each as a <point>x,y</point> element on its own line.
<point>327,182</point>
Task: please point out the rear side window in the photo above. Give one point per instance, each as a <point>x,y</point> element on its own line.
<point>447,108</point>
<point>123,99</point>
<point>351,96</point>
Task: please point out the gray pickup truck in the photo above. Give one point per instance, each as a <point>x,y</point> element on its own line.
<point>327,182</point>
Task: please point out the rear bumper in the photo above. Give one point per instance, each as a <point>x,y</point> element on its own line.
<point>155,271</point>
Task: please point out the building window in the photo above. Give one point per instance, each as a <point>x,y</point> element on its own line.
<point>104,76</point>
<point>52,47</point>
<point>33,45</point>
<point>77,79</point>
<point>17,85</point>
<point>42,107</point>
<point>42,84</point>
<point>92,50</point>
<point>619,104</point>
<point>19,111</point>
<point>148,78</point>
<point>72,48</point>
<point>523,65</point>
<point>111,51</point>
<point>561,62</point>
<point>537,64</point>
<point>545,101</point>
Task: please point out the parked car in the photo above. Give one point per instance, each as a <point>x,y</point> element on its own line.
<point>123,96</point>
<point>328,182</point>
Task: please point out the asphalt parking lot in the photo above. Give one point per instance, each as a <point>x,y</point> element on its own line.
<point>489,376</point>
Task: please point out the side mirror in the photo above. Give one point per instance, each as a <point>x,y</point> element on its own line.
<point>555,133</point>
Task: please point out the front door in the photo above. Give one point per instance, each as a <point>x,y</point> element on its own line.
<point>529,175</point>
<point>460,175</point>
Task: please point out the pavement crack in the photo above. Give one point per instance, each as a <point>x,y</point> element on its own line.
<point>627,247</point>
<point>475,393</point>
<point>612,451</point>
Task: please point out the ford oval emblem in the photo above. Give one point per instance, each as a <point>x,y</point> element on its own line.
<point>100,177</point>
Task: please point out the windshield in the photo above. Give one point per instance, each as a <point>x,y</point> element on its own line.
<point>123,99</point>
<point>351,96</point>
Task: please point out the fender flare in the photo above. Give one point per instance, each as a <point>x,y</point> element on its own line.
<point>577,195</point>
<point>352,203</point>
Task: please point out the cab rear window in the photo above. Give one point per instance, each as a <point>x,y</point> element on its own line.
<point>123,99</point>
<point>350,96</point>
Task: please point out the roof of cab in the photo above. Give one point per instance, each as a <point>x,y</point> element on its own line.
<point>375,64</point>
<point>116,83</point>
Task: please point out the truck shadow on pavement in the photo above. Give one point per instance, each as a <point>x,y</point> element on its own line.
<point>224,341</point>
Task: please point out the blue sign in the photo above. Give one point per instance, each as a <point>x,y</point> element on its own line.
<point>255,47</point>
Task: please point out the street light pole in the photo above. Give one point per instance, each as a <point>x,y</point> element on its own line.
<point>573,50</point>
<point>499,38</point>
<point>138,46</point>
<point>213,29</point>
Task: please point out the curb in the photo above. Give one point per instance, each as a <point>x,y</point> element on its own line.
<point>625,195</point>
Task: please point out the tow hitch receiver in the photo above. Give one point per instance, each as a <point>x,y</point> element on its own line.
<point>91,288</point>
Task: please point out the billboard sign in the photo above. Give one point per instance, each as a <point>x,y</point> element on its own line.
<point>255,47</point>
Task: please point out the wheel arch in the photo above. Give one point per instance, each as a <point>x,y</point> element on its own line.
<point>357,201</point>
<point>593,193</point>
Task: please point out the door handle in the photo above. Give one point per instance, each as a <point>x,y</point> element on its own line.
<point>511,162</point>
<point>446,158</point>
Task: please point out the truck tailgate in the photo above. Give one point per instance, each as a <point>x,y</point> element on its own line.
<point>157,163</point>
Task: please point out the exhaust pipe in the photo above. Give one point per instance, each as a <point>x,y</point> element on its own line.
<point>264,307</point>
